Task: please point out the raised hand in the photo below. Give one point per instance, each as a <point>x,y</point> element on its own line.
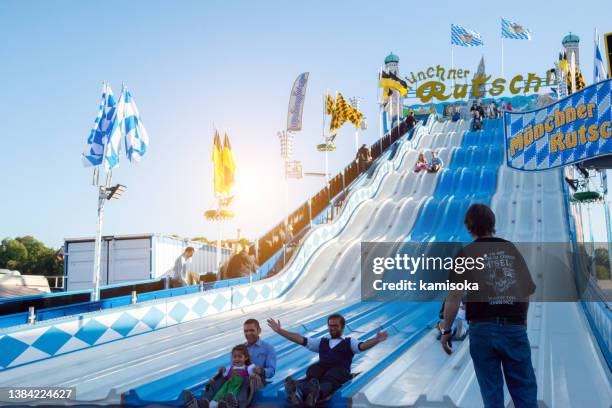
<point>274,325</point>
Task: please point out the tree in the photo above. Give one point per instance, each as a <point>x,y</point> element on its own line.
<point>30,257</point>
<point>13,254</point>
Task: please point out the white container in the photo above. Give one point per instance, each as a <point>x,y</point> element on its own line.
<point>132,258</point>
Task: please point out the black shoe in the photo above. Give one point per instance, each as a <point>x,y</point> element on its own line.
<point>291,389</point>
<point>229,401</point>
<point>313,395</point>
<point>189,400</point>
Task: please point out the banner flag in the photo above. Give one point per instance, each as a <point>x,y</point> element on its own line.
<point>217,159</point>
<point>104,125</point>
<point>389,80</point>
<point>296,103</point>
<point>513,31</point>
<point>571,130</point>
<point>465,37</point>
<point>229,166</point>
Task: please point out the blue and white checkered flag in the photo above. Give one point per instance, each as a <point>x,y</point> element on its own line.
<point>105,122</point>
<point>129,128</point>
<point>136,137</point>
<point>599,68</point>
<point>465,37</point>
<point>513,31</point>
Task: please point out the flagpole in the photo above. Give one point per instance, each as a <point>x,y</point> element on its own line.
<point>595,56</point>
<point>502,57</point>
<point>379,99</point>
<point>452,64</point>
<point>218,254</point>
<point>95,294</point>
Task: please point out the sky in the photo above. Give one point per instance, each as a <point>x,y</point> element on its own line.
<point>197,65</point>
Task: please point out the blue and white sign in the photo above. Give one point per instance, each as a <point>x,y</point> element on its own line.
<point>571,130</point>
<point>296,103</point>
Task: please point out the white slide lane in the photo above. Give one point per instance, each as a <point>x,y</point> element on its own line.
<point>569,368</point>
<point>330,282</point>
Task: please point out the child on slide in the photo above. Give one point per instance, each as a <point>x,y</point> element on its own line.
<point>421,164</point>
<point>229,386</point>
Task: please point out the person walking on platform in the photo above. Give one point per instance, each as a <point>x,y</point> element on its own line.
<point>496,312</point>
<point>333,369</point>
<point>181,276</point>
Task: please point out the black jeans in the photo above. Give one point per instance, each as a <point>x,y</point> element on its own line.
<point>330,379</point>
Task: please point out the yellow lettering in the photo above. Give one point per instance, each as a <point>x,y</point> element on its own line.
<point>431,89</point>
<point>528,136</point>
<point>581,111</point>
<point>430,72</point>
<point>497,87</point>
<point>559,118</point>
<point>513,89</point>
<point>460,91</point>
<point>604,129</point>
<point>516,143</point>
<point>591,106</point>
<point>538,131</point>
<point>593,135</point>
<point>581,132</point>
<point>571,140</point>
<point>533,77</point>
<point>570,114</point>
<point>476,82</point>
<point>452,74</point>
<point>556,142</point>
<point>549,125</point>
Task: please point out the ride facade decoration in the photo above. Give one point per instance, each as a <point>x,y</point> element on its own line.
<point>433,87</point>
<point>574,129</point>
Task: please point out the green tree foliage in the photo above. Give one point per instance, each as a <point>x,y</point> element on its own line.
<point>30,257</point>
<point>602,263</point>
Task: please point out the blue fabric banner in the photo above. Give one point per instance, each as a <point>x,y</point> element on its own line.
<point>571,130</point>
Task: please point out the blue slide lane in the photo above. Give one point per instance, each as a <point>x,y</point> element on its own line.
<point>471,176</point>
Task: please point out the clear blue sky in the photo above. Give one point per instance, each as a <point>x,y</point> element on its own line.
<point>190,64</point>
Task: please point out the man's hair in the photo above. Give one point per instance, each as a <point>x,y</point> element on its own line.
<point>337,316</point>
<point>190,248</point>
<point>480,220</point>
<point>242,349</point>
<point>252,321</point>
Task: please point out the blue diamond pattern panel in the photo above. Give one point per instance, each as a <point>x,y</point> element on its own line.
<point>52,340</point>
<point>575,129</point>
<point>124,324</point>
<point>11,349</point>
<point>91,332</point>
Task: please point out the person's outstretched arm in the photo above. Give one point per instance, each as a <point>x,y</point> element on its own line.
<point>294,337</point>
<point>379,338</point>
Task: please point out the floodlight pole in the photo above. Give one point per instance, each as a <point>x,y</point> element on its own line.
<point>95,294</point>
<point>102,196</point>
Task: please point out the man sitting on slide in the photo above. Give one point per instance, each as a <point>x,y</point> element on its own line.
<point>334,366</point>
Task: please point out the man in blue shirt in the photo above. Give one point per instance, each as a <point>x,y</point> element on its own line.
<point>333,369</point>
<point>436,163</point>
<point>261,354</point>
